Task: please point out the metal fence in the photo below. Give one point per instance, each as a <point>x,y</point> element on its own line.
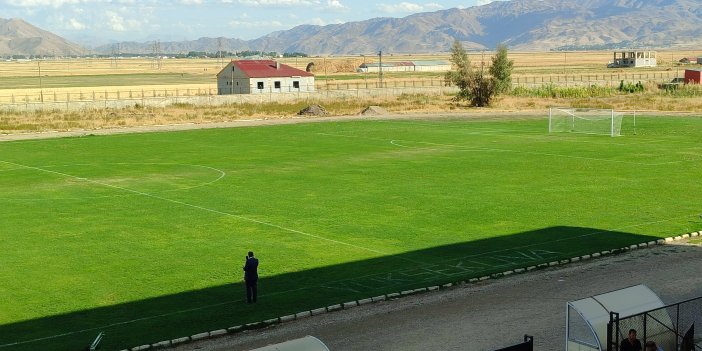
<point>670,327</point>
<point>205,97</point>
<point>588,79</point>
<point>324,87</point>
<point>53,96</point>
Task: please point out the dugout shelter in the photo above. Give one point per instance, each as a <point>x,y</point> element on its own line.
<point>587,319</point>
<point>308,343</point>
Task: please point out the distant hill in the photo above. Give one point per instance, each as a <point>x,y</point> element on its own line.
<point>18,37</point>
<point>522,24</point>
<point>177,47</point>
<point>536,25</point>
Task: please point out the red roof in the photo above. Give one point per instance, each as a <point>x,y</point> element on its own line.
<point>268,69</point>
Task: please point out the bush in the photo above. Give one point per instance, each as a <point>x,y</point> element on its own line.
<point>631,87</point>
<point>553,91</point>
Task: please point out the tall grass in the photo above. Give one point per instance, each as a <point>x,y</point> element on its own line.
<point>553,91</point>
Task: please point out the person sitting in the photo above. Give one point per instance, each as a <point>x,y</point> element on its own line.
<point>651,346</point>
<point>631,343</point>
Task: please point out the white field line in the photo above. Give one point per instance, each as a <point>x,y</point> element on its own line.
<point>199,208</point>
<point>222,174</point>
<point>203,307</point>
<point>139,320</point>
<point>292,230</point>
<point>469,148</point>
<point>535,135</point>
<point>397,142</point>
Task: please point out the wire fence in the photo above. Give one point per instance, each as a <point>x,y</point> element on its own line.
<point>671,327</point>
<point>368,87</point>
<point>599,79</point>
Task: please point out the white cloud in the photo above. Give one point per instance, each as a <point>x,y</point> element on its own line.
<point>320,22</point>
<point>255,24</point>
<point>118,23</point>
<point>75,24</point>
<point>335,5</point>
<point>278,2</point>
<point>115,21</point>
<point>408,7</point>
<point>191,2</point>
<point>41,3</point>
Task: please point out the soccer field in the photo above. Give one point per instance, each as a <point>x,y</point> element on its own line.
<point>143,236</point>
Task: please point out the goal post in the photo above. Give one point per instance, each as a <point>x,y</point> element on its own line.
<point>585,121</point>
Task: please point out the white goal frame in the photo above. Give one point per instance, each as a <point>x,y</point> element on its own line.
<point>614,118</point>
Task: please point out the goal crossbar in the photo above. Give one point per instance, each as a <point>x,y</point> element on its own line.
<point>585,121</point>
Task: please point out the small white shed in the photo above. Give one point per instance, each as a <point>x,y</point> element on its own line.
<point>587,319</point>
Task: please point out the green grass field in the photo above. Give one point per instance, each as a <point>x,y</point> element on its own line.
<point>143,236</point>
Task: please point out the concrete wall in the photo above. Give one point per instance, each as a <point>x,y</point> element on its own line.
<point>235,85</point>
<point>285,85</point>
<point>440,68</point>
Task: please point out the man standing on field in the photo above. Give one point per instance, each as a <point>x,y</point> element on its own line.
<point>251,277</point>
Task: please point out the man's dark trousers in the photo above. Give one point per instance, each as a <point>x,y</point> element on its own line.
<point>251,278</point>
<point>251,290</point>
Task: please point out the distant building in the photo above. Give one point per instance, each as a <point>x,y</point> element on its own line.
<point>687,60</point>
<point>431,66</point>
<point>407,66</point>
<point>693,76</point>
<point>262,76</point>
<point>633,59</point>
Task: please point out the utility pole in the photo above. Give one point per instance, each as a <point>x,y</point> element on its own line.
<point>41,87</point>
<point>365,72</point>
<point>565,63</point>
<point>158,54</point>
<point>219,51</point>
<point>380,67</point>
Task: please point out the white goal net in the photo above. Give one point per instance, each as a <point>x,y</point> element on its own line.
<point>585,121</point>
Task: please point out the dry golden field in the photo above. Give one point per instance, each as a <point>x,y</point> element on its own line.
<point>97,79</point>
<point>88,77</point>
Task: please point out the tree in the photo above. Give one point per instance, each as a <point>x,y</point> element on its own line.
<point>472,85</point>
<point>482,89</point>
<point>460,73</point>
<point>501,70</point>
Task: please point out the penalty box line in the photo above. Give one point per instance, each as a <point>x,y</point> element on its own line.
<point>273,225</point>
<point>396,142</point>
<point>182,203</point>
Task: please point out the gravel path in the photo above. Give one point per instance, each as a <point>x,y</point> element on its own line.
<point>272,121</point>
<point>488,315</point>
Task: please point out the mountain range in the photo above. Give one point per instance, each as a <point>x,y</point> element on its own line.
<point>521,24</point>
<point>18,37</point>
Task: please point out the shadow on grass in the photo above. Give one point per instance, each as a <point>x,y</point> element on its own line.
<point>172,316</point>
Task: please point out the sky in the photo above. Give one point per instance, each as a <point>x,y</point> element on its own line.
<point>95,22</point>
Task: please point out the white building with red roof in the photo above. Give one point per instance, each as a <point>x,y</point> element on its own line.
<point>262,77</point>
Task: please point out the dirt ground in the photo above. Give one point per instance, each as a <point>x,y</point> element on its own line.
<point>473,114</point>
<point>269,121</point>
<point>487,315</point>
